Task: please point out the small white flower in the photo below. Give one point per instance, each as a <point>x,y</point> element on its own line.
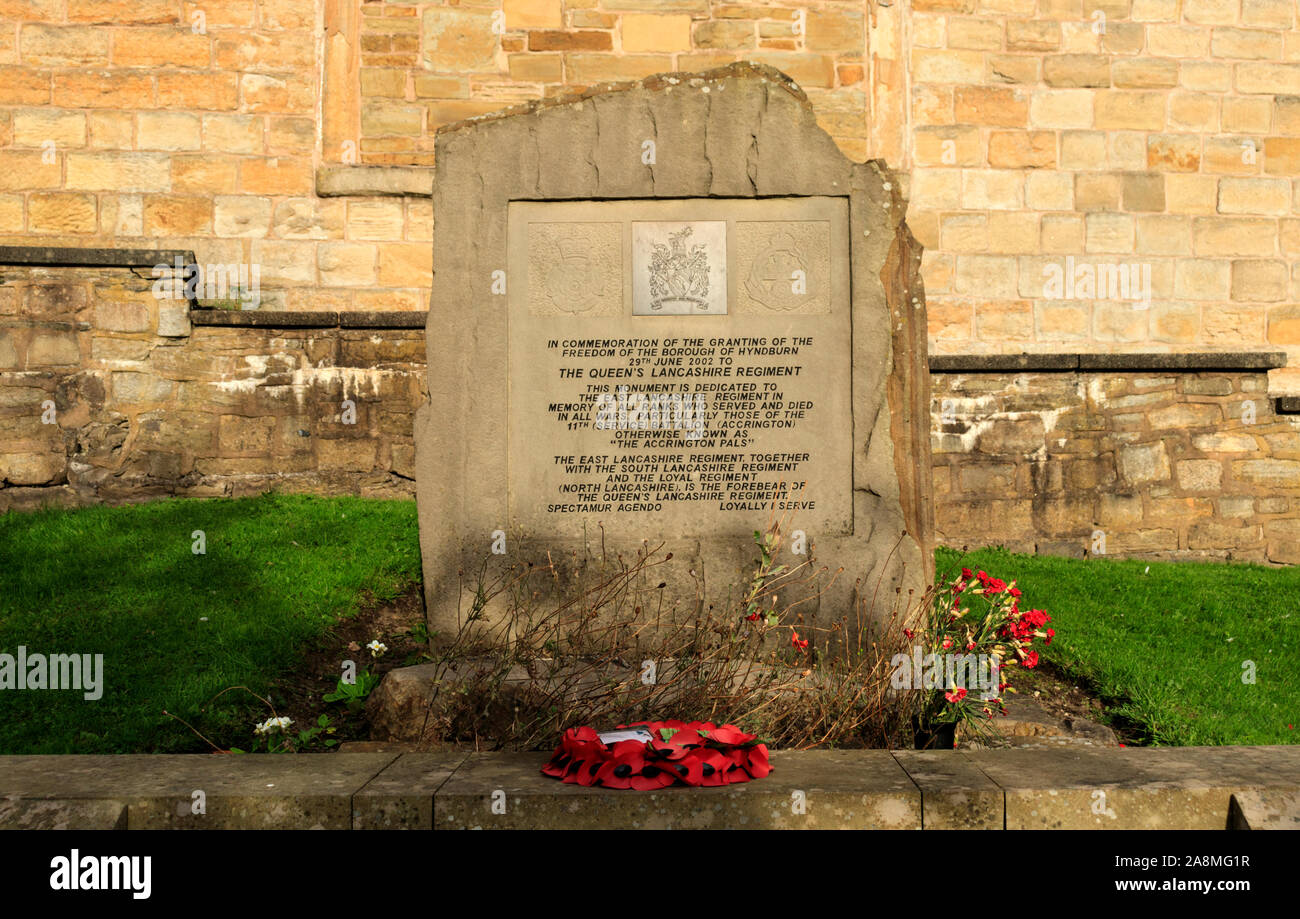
<point>272,725</point>
<point>377,648</point>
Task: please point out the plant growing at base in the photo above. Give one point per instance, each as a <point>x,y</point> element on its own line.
<point>972,629</point>
<point>273,735</point>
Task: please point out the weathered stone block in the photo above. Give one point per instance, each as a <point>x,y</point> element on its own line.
<point>1143,463</point>
<point>51,349</point>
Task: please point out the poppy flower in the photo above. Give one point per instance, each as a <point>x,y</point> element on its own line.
<point>713,769</point>
<point>757,764</point>
<point>652,777</point>
<point>617,773</point>
<point>730,734</point>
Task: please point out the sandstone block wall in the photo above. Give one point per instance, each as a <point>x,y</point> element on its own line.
<point>194,125</point>
<point>108,394</point>
<point>1163,464</point>
<point>1158,133</point>
<point>1174,464</point>
<point>1155,133</point>
<point>425,64</point>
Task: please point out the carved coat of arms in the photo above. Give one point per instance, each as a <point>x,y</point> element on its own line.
<point>678,275</point>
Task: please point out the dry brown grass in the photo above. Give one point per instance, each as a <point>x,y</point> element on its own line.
<point>606,657</point>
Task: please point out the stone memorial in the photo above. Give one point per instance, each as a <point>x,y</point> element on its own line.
<point>662,313</point>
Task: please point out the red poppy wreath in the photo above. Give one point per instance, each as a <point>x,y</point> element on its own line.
<point>658,754</point>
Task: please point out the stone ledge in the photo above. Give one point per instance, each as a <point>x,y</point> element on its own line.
<point>1115,362</point>
<point>1048,786</point>
<point>92,257</point>
<point>374,181</point>
<point>310,319</point>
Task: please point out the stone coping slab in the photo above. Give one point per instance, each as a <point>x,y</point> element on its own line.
<point>1116,362</point>
<point>955,793</point>
<point>310,319</point>
<point>1265,810</point>
<point>818,789</point>
<point>255,791</point>
<point>401,796</point>
<point>1133,788</point>
<point>92,256</point>
<point>1056,787</point>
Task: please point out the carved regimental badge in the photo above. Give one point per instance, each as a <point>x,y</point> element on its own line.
<point>680,269</point>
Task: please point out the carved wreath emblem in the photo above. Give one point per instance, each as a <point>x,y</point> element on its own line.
<point>778,277</point>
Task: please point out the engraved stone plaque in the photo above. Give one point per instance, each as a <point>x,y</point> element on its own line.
<point>705,386</point>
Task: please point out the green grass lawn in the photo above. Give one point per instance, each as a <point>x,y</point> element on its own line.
<point>1165,642</point>
<point>175,627</point>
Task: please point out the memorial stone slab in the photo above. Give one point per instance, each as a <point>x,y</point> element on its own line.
<point>664,314</point>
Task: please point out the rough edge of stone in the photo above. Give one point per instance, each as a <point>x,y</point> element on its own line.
<point>1116,362</point>
<point>374,181</point>
<point>748,69</point>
